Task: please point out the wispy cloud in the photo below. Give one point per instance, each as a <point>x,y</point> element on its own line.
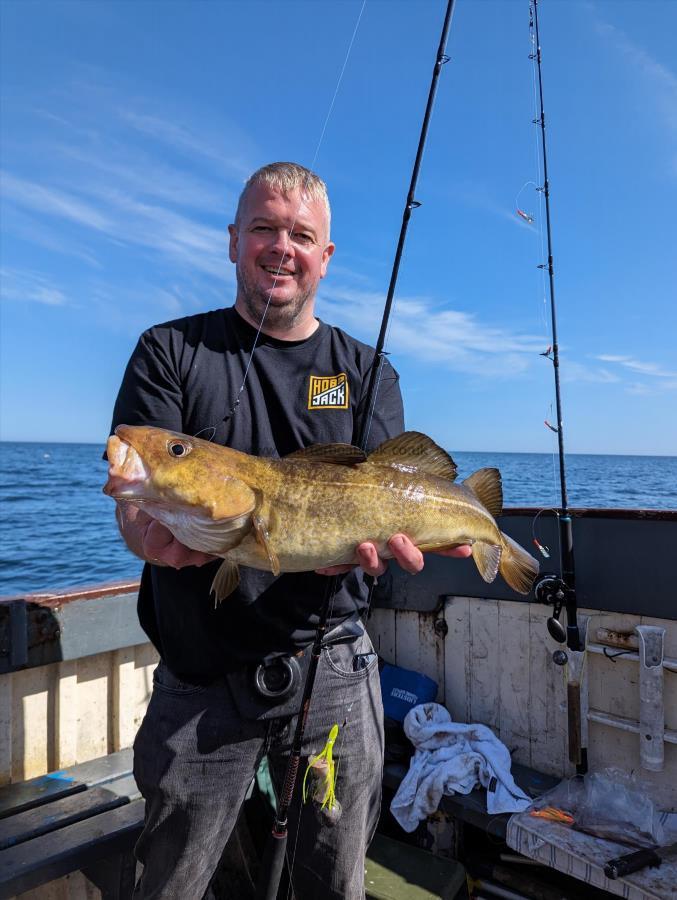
<point>638,366</point>
<point>657,378</point>
<point>186,141</point>
<point>444,337</point>
<point>660,84</point>
<point>179,238</point>
<point>573,371</point>
<point>51,201</point>
<point>141,175</point>
<point>31,287</point>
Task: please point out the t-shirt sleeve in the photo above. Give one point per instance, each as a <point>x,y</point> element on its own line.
<point>388,416</point>
<point>151,391</point>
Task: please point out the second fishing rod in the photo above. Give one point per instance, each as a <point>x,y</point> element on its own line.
<point>274,856</point>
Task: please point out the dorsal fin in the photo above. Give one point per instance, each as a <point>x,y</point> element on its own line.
<point>486,486</point>
<point>338,454</point>
<point>413,450</point>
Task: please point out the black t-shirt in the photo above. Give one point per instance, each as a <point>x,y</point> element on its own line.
<point>185,375</point>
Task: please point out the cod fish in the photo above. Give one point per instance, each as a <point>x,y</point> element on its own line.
<point>312,508</point>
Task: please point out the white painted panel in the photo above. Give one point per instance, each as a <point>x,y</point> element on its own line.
<point>32,722</point>
<point>514,683</point>
<point>123,707</point>
<point>547,702</point>
<point>457,658</point>
<point>66,714</point>
<point>485,664</point>
<point>94,721</point>
<point>381,628</point>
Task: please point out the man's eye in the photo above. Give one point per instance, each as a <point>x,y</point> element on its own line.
<point>261,228</point>
<point>302,238</point>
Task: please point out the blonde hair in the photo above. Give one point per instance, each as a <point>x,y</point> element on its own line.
<point>288,177</point>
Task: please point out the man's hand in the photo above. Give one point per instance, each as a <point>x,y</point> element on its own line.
<point>404,552</point>
<point>152,542</point>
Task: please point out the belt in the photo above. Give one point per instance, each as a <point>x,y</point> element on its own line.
<point>271,690</point>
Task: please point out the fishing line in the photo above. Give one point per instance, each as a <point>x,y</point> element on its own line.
<point>236,402</point>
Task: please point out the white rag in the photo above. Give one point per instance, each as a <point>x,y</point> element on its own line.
<point>452,758</point>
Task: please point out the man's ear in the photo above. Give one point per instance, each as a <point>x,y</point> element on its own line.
<point>232,245</point>
<point>327,254</point>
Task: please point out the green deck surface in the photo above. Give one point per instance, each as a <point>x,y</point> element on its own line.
<point>396,871</point>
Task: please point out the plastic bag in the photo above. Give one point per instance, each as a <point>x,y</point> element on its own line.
<point>611,805</point>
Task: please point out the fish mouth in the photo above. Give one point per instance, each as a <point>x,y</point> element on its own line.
<point>128,475</point>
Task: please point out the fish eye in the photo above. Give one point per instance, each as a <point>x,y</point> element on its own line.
<point>178,448</point>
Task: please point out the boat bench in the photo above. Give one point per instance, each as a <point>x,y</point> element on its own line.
<point>87,817</point>
<point>471,809</point>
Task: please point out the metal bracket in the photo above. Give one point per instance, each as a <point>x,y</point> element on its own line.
<point>651,706</point>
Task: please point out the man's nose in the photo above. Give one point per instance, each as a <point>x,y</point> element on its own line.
<point>281,242</point>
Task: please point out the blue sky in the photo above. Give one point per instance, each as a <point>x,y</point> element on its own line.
<point>129,128</point>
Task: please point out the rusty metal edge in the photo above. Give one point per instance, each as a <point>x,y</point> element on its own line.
<point>62,596</point>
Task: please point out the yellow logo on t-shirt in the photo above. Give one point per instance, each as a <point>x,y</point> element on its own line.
<point>328,391</point>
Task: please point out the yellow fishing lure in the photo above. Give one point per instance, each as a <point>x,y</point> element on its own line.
<point>325,770</point>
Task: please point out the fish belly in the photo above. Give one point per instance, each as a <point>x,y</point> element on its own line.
<point>315,525</point>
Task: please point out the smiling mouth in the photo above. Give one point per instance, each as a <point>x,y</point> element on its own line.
<point>277,272</point>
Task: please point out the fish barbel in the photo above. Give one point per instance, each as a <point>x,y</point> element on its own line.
<point>311,509</point>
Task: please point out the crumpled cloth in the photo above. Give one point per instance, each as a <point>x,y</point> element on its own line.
<point>452,757</point>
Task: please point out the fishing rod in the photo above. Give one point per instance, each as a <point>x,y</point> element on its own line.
<point>559,591</point>
<point>274,855</point>
<point>410,205</point>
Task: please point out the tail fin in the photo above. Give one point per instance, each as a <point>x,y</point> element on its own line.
<point>517,567</point>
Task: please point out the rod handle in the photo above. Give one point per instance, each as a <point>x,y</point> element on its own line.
<point>271,866</point>
<point>631,862</point>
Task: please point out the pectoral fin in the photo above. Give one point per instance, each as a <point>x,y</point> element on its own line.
<point>263,538</point>
<point>225,581</point>
<point>487,559</point>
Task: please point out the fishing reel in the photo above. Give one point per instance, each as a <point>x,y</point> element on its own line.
<point>552,590</point>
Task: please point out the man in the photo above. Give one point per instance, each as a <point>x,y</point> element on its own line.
<point>265,377</point>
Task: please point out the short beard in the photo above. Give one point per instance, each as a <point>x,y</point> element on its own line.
<point>279,318</point>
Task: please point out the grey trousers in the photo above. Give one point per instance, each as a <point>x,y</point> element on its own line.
<point>195,757</point>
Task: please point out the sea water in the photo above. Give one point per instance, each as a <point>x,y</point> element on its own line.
<point>57,528</point>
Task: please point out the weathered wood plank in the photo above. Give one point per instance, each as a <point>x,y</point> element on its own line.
<point>381,627</point>
<point>123,690</point>
<point>547,713</point>
<point>485,664</point>
<point>33,722</point>
<point>40,820</point>
<point>94,724</point>
<point>457,658</point>
<point>514,683</point>
<point>66,713</point>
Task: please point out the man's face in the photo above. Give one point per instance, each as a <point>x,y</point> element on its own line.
<point>281,250</point>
